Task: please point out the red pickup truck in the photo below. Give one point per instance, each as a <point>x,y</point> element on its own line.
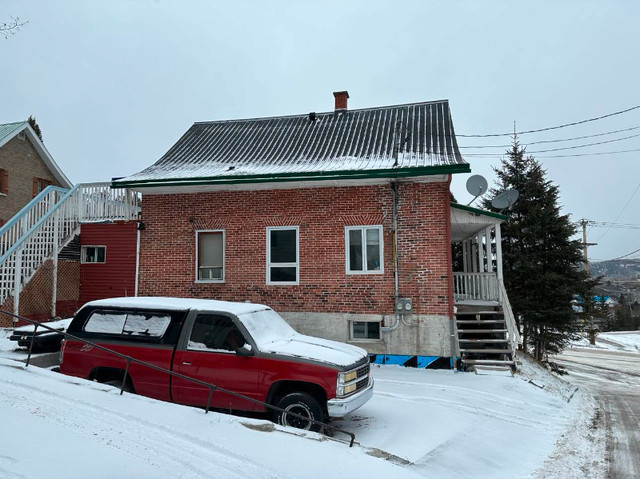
<point>242,347</point>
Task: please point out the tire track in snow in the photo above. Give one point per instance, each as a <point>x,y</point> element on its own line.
<point>197,456</point>
<point>491,413</point>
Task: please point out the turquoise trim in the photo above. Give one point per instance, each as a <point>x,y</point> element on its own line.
<point>478,211</point>
<point>18,216</point>
<point>288,177</point>
<point>18,243</point>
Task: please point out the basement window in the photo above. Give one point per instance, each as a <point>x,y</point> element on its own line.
<point>362,330</point>
<point>93,254</point>
<point>364,249</point>
<point>282,255</point>
<point>210,256</point>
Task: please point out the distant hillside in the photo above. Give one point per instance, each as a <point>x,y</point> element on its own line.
<point>617,268</point>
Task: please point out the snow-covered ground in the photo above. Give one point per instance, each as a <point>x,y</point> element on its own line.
<point>434,424</point>
<point>614,340</point>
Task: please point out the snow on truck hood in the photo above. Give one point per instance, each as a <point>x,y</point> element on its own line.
<point>316,349</point>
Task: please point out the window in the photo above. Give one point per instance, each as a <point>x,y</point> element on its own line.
<point>364,249</point>
<point>151,325</point>
<point>213,332</point>
<point>40,184</point>
<point>93,254</point>
<point>365,330</point>
<point>210,256</point>
<point>282,255</point>
<point>21,135</point>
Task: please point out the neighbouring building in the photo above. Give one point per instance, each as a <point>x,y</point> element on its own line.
<point>26,168</point>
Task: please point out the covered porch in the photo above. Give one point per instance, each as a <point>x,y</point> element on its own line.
<point>477,250</point>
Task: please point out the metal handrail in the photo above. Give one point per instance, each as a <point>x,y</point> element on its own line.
<point>212,387</point>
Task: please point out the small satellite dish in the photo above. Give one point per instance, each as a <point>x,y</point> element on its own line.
<point>476,185</point>
<point>505,199</point>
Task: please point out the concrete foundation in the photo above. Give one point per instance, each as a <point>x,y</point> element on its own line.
<point>422,335</point>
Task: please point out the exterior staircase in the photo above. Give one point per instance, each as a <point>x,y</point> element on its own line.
<point>483,339</point>
<point>44,226</point>
<point>486,335</point>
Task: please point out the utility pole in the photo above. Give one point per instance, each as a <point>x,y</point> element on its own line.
<point>585,245</point>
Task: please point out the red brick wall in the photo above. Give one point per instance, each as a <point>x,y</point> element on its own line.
<point>167,262</point>
<point>115,277</point>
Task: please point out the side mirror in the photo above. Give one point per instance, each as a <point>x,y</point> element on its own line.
<point>245,350</point>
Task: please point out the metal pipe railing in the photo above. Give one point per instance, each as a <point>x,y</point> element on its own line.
<point>210,386</point>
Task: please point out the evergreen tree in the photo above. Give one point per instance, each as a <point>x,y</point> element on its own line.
<point>543,266</point>
<point>34,124</point>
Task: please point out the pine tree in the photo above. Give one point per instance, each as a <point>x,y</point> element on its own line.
<point>34,124</point>
<point>543,266</point>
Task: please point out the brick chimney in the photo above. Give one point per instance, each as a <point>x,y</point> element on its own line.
<point>341,100</point>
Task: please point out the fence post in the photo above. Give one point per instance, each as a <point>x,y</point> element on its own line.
<point>35,330</point>
<point>54,288</point>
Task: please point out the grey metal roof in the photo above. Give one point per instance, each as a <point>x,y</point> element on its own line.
<point>7,129</point>
<point>416,137</point>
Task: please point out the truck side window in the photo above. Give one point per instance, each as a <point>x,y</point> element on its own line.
<point>150,325</point>
<point>213,332</point>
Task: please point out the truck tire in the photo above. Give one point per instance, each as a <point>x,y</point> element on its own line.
<point>303,404</point>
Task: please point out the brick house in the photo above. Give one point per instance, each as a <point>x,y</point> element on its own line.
<point>340,221</point>
<point>26,168</point>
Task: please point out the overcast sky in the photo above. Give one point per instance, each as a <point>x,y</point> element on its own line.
<point>114,84</point>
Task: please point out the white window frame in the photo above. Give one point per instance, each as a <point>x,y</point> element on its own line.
<point>224,252</point>
<point>352,336</point>
<point>347,229</point>
<point>283,265</point>
<point>83,254</point>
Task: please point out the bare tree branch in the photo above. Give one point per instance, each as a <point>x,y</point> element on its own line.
<point>10,28</point>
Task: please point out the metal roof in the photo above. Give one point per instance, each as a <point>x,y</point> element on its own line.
<point>7,129</point>
<point>413,139</point>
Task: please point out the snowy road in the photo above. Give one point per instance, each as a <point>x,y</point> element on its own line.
<point>614,378</point>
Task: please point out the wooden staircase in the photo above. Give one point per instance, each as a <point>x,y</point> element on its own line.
<point>483,338</point>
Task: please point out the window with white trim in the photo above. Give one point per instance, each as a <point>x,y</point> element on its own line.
<point>365,330</point>
<point>210,256</point>
<point>93,254</point>
<point>364,249</point>
<point>282,255</point>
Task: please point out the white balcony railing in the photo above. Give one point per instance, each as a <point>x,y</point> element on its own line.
<point>475,286</point>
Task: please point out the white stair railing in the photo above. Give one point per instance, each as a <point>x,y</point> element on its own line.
<point>512,328</point>
<point>45,225</point>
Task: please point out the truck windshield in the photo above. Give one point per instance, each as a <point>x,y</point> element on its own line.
<point>266,326</point>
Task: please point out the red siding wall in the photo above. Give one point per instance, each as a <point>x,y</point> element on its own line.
<point>167,262</point>
<point>115,277</point>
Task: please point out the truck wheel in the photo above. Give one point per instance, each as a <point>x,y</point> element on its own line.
<point>303,404</point>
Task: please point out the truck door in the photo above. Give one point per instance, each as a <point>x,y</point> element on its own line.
<point>209,355</point>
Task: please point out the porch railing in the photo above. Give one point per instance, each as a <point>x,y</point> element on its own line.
<point>475,286</point>
<point>45,225</point>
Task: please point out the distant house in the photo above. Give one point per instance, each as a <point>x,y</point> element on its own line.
<point>26,168</point>
<point>340,221</point>
<point>63,245</point>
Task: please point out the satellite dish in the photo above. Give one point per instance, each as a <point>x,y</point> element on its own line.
<point>476,186</point>
<point>505,199</point>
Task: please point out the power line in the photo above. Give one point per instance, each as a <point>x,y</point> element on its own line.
<point>554,127</point>
<point>625,255</point>
<point>557,141</point>
<point>584,146</point>
<point>621,211</point>
<point>562,156</point>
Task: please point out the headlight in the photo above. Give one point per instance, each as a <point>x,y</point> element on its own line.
<point>347,377</point>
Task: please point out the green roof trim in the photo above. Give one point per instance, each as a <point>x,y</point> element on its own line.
<point>478,211</point>
<point>289,177</point>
